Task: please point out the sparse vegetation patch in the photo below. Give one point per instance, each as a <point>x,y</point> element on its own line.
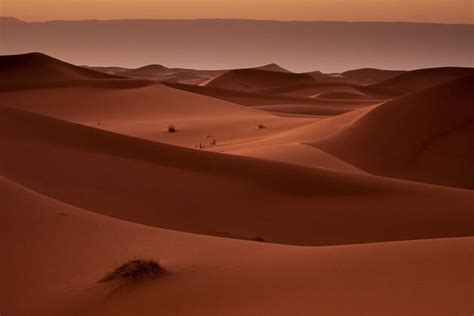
<point>134,270</point>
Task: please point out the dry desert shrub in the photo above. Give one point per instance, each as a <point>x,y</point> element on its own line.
<point>133,271</point>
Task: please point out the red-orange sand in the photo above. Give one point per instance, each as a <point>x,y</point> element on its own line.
<point>249,210</point>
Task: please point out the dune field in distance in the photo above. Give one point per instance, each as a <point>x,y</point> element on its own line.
<point>163,190</point>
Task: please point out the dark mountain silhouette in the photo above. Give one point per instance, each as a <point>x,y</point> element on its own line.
<point>231,44</point>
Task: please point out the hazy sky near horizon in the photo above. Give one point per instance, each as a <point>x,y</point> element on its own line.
<point>438,11</point>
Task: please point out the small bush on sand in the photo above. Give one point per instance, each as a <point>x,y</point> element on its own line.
<point>134,270</point>
<point>261,126</point>
<point>171,129</point>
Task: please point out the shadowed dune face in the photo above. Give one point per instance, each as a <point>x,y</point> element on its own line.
<point>111,70</point>
<point>417,80</point>
<point>40,67</point>
<point>176,75</point>
<point>39,71</point>
<point>283,103</point>
<point>256,79</point>
<point>343,96</point>
<point>310,89</point>
<point>146,70</point>
<point>273,67</point>
<point>197,200</point>
<point>371,75</point>
<point>427,136</point>
<point>162,73</point>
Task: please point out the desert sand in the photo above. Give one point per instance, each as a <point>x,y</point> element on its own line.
<point>259,191</point>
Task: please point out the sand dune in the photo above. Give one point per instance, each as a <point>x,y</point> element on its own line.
<point>313,89</point>
<point>39,71</point>
<point>147,69</point>
<point>101,104</point>
<point>425,136</point>
<point>148,111</point>
<point>343,96</point>
<point>58,276</point>
<point>224,187</point>
<point>281,103</point>
<point>301,109</point>
<point>300,154</point>
<point>242,97</point>
<point>272,67</point>
<point>40,67</point>
<point>370,75</point>
<point>420,79</point>
<point>256,79</point>
<point>138,181</point>
<point>362,76</point>
<point>176,75</point>
<point>111,70</point>
<point>162,73</point>
<point>320,128</point>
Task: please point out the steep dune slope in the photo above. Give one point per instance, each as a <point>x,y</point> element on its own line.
<point>138,180</point>
<point>427,136</point>
<point>208,275</point>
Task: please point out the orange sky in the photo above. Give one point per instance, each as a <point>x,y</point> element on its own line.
<point>444,11</point>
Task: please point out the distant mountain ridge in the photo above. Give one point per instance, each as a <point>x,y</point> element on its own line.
<point>330,47</point>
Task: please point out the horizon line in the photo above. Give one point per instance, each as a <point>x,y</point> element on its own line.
<point>231,19</point>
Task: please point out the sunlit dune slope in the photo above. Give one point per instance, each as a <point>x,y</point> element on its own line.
<point>138,180</point>
<point>58,275</point>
